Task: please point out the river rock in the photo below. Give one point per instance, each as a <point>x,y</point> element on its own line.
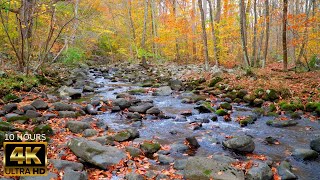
<point>163,91</point>
<point>240,143</point>
<point>91,110</point>
<point>96,154</point>
<point>75,175</point>
<point>142,108</point>
<point>153,110</point>
<point>315,145</point>
<point>77,126</point>
<point>59,106</point>
<point>260,171</point>
<point>163,159</point>
<point>32,114</point>
<point>89,132</point>
<point>28,107</point>
<point>134,176</point>
<point>280,124</point>
<point>63,164</point>
<point>175,84</point>
<point>178,147</point>
<point>39,104</point>
<point>150,147</point>
<point>180,164</point>
<point>285,171</point>
<point>133,151</point>
<point>70,91</point>
<point>193,142</point>
<point>206,169</point>
<point>67,114</point>
<point>305,154</point>
<point>122,103</point>
<point>8,108</point>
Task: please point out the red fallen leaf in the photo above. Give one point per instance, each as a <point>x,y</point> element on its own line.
<point>228,137</point>
<point>248,165</point>
<point>275,174</point>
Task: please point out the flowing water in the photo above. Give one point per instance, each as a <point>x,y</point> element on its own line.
<point>212,134</point>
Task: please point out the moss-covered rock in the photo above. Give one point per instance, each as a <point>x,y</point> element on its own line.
<point>221,112</point>
<point>136,91</point>
<point>272,108</point>
<point>280,123</point>
<point>237,100</point>
<point>18,118</point>
<point>43,129</point>
<point>150,147</point>
<point>258,102</point>
<point>258,111</point>
<point>5,126</point>
<point>249,98</point>
<point>272,114</point>
<point>122,136</point>
<point>226,106</point>
<point>2,138</point>
<point>247,120</point>
<point>11,98</point>
<point>271,95</point>
<point>232,95</point>
<point>291,106</point>
<point>241,93</point>
<point>214,81</point>
<point>295,115</point>
<point>312,106</point>
<point>259,92</point>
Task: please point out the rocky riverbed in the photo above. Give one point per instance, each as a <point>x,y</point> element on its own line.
<point>180,129</point>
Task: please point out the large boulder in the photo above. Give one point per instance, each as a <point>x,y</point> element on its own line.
<point>163,91</point>
<point>141,108</point>
<point>67,114</point>
<point>63,164</point>
<point>96,154</point>
<point>77,126</point>
<point>240,144</point>
<point>39,104</point>
<point>32,114</point>
<point>205,169</point>
<point>70,91</point>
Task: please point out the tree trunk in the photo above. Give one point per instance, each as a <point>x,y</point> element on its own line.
<point>144,34</point>
<point>175,11</point>
<point>215,48</point>
<point>154,29</point>
<point>194,41</point>
<point>284,35</point>
<point>204,36</point>
<point>243,32</point>
<point>254,44</point>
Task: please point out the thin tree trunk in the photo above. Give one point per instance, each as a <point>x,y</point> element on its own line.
<point>194,42</point>
<point>215,48</point>
<point>254,44</point>
<point>204,36</point>
<point>154,29</point>
<point>284,35</point>
<point>243,32</point>
<point>144,34</point>
<point>175,11</point>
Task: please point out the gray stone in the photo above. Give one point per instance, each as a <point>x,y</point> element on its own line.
<point>28,107</point>
<point>67,114</point>
<point>89,132</point>
<point>153,110</point>
<point>180,164</point>
<point>122,103</point>
<point>280,124</point>
<point>163,159</point>
<point>175,84</point>
<point>49,116</point>
<point>39,104</point>
<point>63,164</point>
<point>134,176</point>
<point>178,148</point>
<point>8,108</point>
<point>48,177</point>
<point>91,110</point>
<point>77,126</point>
<point>59,106</point>
<point>260,171</point>
<point>163,91</point>
<point>134,115</point>
<point>315,145</point>
<point>96,154</point>
<point>203,168</point>
<point>193,142</point>
<point>305,154</point>
<point>150,147</point>
<point>240,144</point>
<point>285,171</point>
<point>88,89</point>
<point>75,175</point>
<point>70,91</point>
<point>142,108</point>
<point>32,114</point>
<point>133,151</point>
